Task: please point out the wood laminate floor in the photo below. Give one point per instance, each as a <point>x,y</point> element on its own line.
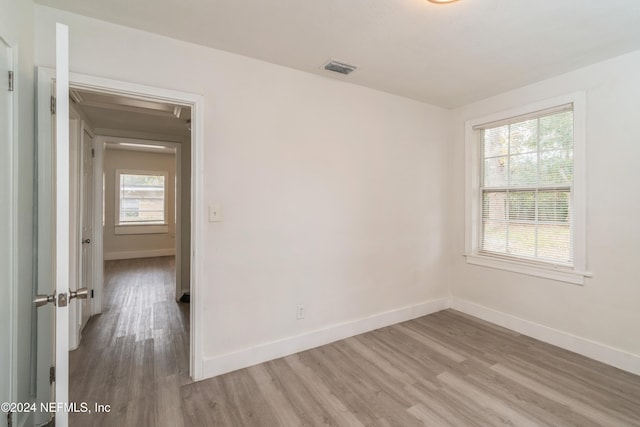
<point>445,369</point>
<point>135,355</point>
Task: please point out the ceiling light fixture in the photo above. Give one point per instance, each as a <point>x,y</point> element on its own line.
<point>129,144</point>
<point>442,1</point>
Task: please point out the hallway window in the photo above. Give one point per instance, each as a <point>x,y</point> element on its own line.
<point>141,197</point>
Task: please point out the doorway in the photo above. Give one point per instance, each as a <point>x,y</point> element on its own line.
<point>141,159</point>
<point>193,159</point>
<point>141,336</point>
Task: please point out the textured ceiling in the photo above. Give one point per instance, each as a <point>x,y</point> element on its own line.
<point>448,55</point>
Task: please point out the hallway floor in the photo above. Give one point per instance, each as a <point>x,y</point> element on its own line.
<point>135,355</point>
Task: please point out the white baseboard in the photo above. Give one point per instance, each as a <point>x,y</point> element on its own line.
<point>149,253</point>
<point>233,361</point>
<point>611,356</point>
<point>272,350</point>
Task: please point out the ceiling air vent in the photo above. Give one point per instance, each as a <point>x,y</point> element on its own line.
<point>339,67</point>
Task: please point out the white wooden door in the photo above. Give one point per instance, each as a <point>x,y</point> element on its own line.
<point>86,213</point>
<point>62,254</point>
<point>53,252</point>
<point>51,348</point>
<point>6,241</point>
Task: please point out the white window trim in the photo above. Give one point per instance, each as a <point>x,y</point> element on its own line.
<point>578,272</point>
<point>138,228</point>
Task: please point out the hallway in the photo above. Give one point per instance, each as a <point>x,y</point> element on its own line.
<point>135,355</point>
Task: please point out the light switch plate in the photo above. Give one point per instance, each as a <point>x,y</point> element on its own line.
<point>215,212</point>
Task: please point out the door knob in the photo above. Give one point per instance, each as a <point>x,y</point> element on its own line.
<point>86,241</point>
<point>80,293</point>
<point>41,300</point>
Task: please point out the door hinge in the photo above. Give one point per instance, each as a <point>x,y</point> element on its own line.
<point>91,293</point>
<point>10,81</point>
<point>52,374</point>
<point>53,104</point>
<point>93,152</point>
<point>9,419</point>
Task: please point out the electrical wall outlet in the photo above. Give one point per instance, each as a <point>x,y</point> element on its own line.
<point>300,312</point>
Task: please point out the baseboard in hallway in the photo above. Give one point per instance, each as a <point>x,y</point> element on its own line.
<point>147,253</point>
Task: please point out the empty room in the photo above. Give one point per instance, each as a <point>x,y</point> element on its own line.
<point>297,213</point>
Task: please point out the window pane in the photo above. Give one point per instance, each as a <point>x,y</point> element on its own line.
<point>523,169</point>
<point>553,206</point>
<point>494,205</point>
<point>556,167</point>
<point>494,236</point>
<point>495,172</point>
<point>142,198</point>
<point>522,239</point>
<point>554,242</point>
<point>496,141</point>
<point>524,137</point>
<point>556,131</point>
<point>522,205</point>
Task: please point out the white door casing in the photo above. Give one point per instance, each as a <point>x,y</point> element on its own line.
<point>74,226</point>
<point>196,160</point>
<point>86,221</point>
<point>81,223</point>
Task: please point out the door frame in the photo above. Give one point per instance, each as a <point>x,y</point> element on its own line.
<point>84,128</point>
<point>10,389</point>
<point>77,143</point>
<point>143,92</point>
<point>100,142</point>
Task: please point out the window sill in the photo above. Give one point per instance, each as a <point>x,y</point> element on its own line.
<point>558,273</point>
<point>142,229</point>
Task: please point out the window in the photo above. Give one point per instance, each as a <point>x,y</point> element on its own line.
<point>525,185</point>
<point>141,200</point>
<point>526,200</point>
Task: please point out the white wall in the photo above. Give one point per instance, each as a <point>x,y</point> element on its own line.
<point>332,194</point>
<point>17,26</point>
<point>606,309</point>
<point>122,246</point>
